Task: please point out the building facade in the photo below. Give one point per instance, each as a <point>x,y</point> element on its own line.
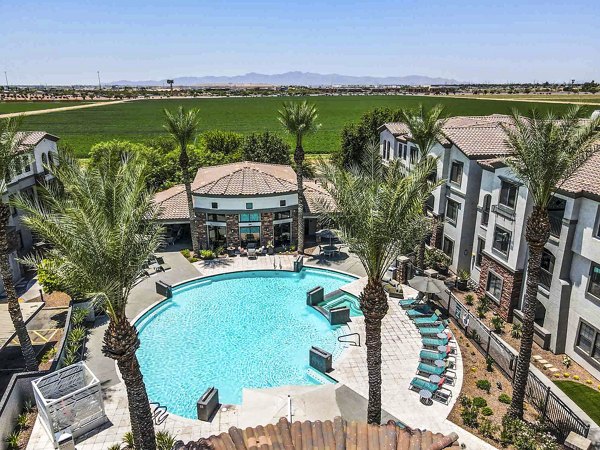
<point>482,210</point>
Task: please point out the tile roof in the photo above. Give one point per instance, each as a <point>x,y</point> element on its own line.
<point>326,435</point>
<point>172,204</point>
<point>28,139</point>
<point>245,178</point>
<point>314,194</point>
<point>585,180</point>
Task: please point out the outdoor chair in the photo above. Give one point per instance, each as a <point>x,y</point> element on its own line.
<point>434,342</point>
<point>440,394</point>
<point>419,311</point>
<point>433,330</point>
<point>430,355</point>
<point>427,369</point>
<point>161,262</point>
<point>427,320</point>
<point>408,303</point>
<point>251,251</point>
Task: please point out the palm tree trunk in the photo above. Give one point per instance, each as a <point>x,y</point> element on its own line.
<point>184,162</point>
<point>373,302</point>
<point>421,265</point>
<point>120,343</point>
<point>299,160</point>
<point>14,309</point>
<point>536,234</point>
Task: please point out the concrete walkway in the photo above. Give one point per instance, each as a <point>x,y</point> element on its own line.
<point>401,345</point>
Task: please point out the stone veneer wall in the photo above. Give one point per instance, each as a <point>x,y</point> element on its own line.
<point>266,228</point>
<point>201,230</point>
<point>232,229</point>
<point>511,286</point>
<point>437,232</point>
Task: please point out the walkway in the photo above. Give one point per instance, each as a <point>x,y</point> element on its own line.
<point>401,345</point>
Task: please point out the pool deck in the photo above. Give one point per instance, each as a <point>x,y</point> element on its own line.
<point>400,355</point>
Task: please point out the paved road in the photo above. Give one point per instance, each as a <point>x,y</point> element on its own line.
<point>64,108</point>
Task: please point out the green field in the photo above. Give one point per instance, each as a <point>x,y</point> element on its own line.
<point>12,107</point>
<point>142,120</point>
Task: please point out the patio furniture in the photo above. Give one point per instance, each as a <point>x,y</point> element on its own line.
<point>408,303</point>
<point>251,248</point>
<point>427,320</point>
<point>161,262</point>
<point>430,355</point>
<point>419,311</point>
<point>230,251</point>
<point>434,378</point>
<point>437,392</point>
<point>428,369</point>
<point>425,396</point>
<point>440,363</point>
<point>433,330</point>
<point>242,251</point>
<point>434,342</point>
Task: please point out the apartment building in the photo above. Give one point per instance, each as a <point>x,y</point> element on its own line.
<point>482,211</point>
<point>33,157</point>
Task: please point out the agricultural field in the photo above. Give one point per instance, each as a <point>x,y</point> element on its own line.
<point>141,120</point>
<point>592,99</point>
<point>13,107</point>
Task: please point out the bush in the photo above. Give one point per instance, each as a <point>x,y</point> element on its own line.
<point>484,385</point>
<point>504,398</point>
<point>78,316</point>
<point>186,253</point>
<point>266,147</point>
<point>487,428</point>
<point>207,254</point>
<point>164,440</point>
<point>517,328</point>
<point>483,306</point>
<point>13,439</point>
<point>487,411</point>
<point>469,413</point>
<point>226,142</point>
<point>489,364</point>
<point>469,299</point>
<point>480,402</point>
<point>498,324</point>
<point>525,436</point>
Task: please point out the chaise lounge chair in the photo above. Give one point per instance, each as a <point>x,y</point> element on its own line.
<point>427,369</point>
<point>251,248</point>
<point>427,320</point>
<point>433,330</point>
<point>438,393</point>
<point>434,342</point>
<point>408,303</point>
<point>419,311</point>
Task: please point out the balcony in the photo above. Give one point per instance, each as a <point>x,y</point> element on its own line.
<point>504,212</point>
<point>545,279</point>
<point>556,212</point>
<point>555,225</point>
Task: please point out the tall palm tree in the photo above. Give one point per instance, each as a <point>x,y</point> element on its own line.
<point>10,143</point>
<point>299,120</point>
<point>425,127</point>
<point>183,126</point>
<point>546,151</point>
<point>372,207</point>
<point>99,222</point>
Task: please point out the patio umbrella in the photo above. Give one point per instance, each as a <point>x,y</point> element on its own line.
<point>326,233</point>
<point>427,285</point>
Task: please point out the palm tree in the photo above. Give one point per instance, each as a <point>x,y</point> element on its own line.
<point>183,127</point>
<point>372,207</point>
<point>100,225</point>
<point>299,120</point>
<point>10,142</point>
<point>546,151</point>
<point>425,127</point>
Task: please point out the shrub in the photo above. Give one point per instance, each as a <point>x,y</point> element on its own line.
<point>469,299</point>
<point>504,398</point>
<point>576,377</point>
<point>498,324</point>
<point>22,420</point>
<point>483,306</point>
<point>164,440</point>
<point>226,142</point>
<point>487,428</point>
<point>517,328</point>
<point>51,353</point>
<point>115,447</point>
<point>207,254</point>
<point>266,147</point>
<point>186,253</point>
<point>193,259</point>
<point>489,363</point>
<point>525,436</point>
<point>484,385</point>
<point>469,413</point>
<point>566,361</point>
<point>47,276</point>
<point>13,439</point>
<point>128,440</point>
<point>487,411</point>
<point>480,402</point>
<point>475,336</point>
<point>79,315</point>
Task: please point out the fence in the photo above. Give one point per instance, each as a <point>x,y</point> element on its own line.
<point>553,411</point>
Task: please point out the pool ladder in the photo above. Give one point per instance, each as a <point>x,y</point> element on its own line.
<point>160,414</point>
<point>353,343</point>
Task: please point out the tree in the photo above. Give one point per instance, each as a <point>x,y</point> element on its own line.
<point>371,206</point>
<point>299,120</point>
<point>546,151</point>
<point>183,127</point>
<point>101,228</point>
<point>11,142</point>
<point>226,142</point>
<point>425,128</point>
<point>266,147</point>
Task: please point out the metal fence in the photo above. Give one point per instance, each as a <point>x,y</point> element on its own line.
<point>553,411</point>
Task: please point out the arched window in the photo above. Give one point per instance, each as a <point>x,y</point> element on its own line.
<point>50,158</point>
<point>485,211</point>
<point>45,162</point>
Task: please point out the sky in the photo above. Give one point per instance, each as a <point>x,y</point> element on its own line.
<point>67,42</point>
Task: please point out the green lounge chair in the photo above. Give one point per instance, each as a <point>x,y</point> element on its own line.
<point>434,342</point>
<point>428,369</point>
<point>438,393</point>
<point>408,303</point>
<point>427,320</point>
<point>430,355</point>
<point>419,311</point>
<point>433,330</point>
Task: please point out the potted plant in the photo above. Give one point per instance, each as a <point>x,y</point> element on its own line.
<point>270,248</point>
<point>462,281</point>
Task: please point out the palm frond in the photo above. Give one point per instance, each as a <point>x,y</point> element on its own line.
<point>425,126</point>
<point>299,119</point>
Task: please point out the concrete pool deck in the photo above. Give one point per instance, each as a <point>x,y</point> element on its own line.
<point>400,355</point>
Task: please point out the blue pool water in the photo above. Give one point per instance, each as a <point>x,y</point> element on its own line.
<point>241,330</point>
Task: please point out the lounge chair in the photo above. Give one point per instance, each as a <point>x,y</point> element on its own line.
<point>161,261</point>
<point>428,369</point>
<point>419,311</point>
<point>433,330</point>
<point>251,251</point>
<point>438,393</point>
<point>408,303</point>
<point>430,355</point>
<point>434,342</point>
<point>426,320</point>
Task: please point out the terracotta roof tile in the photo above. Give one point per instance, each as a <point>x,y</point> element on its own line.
<point>326,435</point>
<point>585,180</point>
<point>313,195</point>
<point>172,204</point>
<point>29,139</point>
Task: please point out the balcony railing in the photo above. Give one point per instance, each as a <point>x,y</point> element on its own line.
<point>555,226</point>
<point>545,279</point>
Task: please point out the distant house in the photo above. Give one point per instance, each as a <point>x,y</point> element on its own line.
<point>241,203</point>
<point>32,159</point>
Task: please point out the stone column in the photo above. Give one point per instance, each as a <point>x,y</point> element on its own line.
<point>511,287</point>
<point>401,269</point>
<point>233,230</point>
<point>201,230</point>
<point>266,228</point>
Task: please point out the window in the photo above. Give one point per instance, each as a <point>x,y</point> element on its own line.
<point>501,240</point>
<point>282,215</point>
<point>27,163</point>
<point>456,172</point>
<point>448,246</point>
<point>479,254</point>
<point>13,210</point>
<point>452,208</point>
<point>588,340</point>
<point>413,154</point>
<point>508,194</point>
<point>282,202</point>
<point>250,217</point>
<point>249,234</point>
<point>216,217</point>
<point>594,283</point>
<point>18,168</point>
<point>214,205</point>
<point>485,210</point>
<point>404,148</point>
<point>45,162</point>
<point>20,244</point>
<point>547,268</point>
<point>494,286</point>
<point>249,205</point>
<point>387,153</point>
<point>282,233</point>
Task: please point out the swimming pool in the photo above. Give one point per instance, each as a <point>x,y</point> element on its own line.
<point>233,331</point>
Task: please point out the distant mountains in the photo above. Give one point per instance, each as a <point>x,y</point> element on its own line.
<point>292,79</point>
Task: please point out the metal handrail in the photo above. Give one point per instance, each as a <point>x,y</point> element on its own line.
<point>352,343</point>
<point>159,414</point>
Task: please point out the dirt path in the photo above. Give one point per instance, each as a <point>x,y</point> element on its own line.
<point>63,108</point>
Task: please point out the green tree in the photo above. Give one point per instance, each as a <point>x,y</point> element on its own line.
<point>11,143</point>
<point>226,142</point>
<point>102,230</point>
<point>425,128</point>
<point>372,205</point>
<point>183,127</point>
<point>266,147</point>
<point>546,151</point>
<point>299,120</point>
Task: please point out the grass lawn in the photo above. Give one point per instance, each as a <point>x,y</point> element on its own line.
<point>141,120</point>
<point>586,397</point>
<point>12,107</point>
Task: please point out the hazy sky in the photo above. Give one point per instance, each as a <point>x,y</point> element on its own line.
<point>65,41</point>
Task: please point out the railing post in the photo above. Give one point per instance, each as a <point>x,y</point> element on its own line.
<point>487,350</point>
<point>546,403</point>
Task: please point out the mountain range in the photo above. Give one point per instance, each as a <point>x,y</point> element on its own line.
<point>292,79</point>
